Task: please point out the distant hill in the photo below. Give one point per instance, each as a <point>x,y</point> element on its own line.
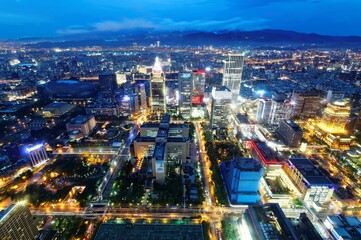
<point>257,38</point>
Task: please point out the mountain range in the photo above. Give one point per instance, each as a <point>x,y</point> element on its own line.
<point>268,38</point>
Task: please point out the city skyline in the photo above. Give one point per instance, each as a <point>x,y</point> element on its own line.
<point>52,19</point>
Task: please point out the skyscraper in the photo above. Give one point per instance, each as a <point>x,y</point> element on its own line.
<point>232,74</point>
<point>185,85</point>
<point>157,89</point>
<point>199,85</point>
<point>263,110</point>
<point>16,222</point>
<point>108,82</point>
<point>220,107</point>
<point>335,117</point>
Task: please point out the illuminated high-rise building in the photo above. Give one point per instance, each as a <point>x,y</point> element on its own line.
<point>199,85</point>
<point>335,117</point>
<point>281,109</point>
<point>16,222</point>
<point>220,107</point>
<point>263,110</point>
<point>232,74</point>
<point>306,103</point>
<point>157,89</point>
<point>185,85</point>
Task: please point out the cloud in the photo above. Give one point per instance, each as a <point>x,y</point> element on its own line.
<point>225,24</point>
<point>125,24</point>
<point>166,24</point>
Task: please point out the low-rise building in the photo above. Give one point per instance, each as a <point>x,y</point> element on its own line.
<point>84,124</point>
<point>315,187</point>
<point>37,154</point>
<point>344,227</point>
<point>57,109</point>
<point>242,177</point>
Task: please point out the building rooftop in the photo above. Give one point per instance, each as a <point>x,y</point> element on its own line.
<point>269,222</point>
<point>247,164</point>
<point>243,119</point>
<point>109,231</point>
<point>56,105</point>
<point>311,175</point>
<point>6,211</point>
<point>80,119</point>
<point>344,226</point>
<point>159,151</point>
<point>266,154</point>
<point>293,125</point>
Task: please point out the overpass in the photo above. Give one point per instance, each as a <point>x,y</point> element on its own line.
<point>103,150</point>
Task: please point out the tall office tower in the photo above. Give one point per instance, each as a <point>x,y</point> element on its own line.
<point>281,109</point>
<point>157,89</point>
<point>242,177</point>
<point>16,222</point>
<point>107,82</point>
<point>199,85</point>
<point>232,74</point>
<point>140,97</point>
<point>335,117</point>
<point>291,133</point>
<point>220,107</point>
<point>37,154</point>
<point>185,85</point>
<point>263,110</point>
<point>306,103</point>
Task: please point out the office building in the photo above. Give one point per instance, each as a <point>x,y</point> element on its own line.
<point>306,103</point>
<point>268,221</point>
<point>263,110</point>
<point>335,117</point>
<point>37,154</point>
<point>166,143</point>
<point>199,86</point>
<point>108,82</point>
<point>343,227</point>
<point>17,223</point>
<point>242,177</point>
<point>310,181</point>
<point>82,124</point>
<point>290,133</point>
<point>232,74</point>
<point>220,107</point>
<point>140,98</point>
<point>185,86</point>
<point>157,89</point>
<point>281,109</point>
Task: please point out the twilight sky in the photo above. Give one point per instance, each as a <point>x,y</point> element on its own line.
<point>35,18</point>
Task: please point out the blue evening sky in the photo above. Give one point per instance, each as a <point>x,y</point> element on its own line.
<point>35,18</point>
